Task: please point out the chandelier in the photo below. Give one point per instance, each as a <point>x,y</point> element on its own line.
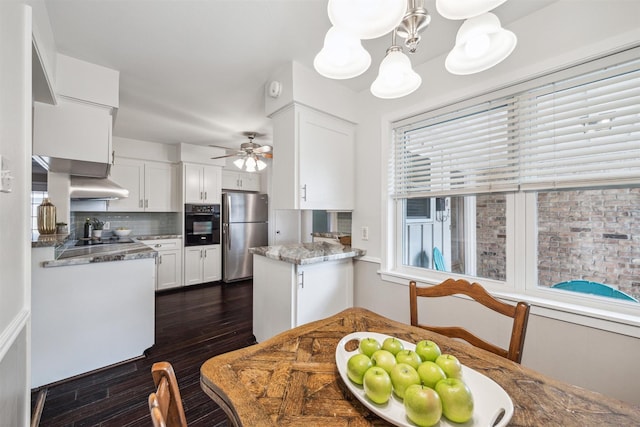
<point>480,43</point>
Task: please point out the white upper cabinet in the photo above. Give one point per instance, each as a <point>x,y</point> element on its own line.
<point>241,181</point>
<point>153,186</point>
<point>312,161</point>
<point>202,184</point>
<point>73,131</point>
<point>74,136</point>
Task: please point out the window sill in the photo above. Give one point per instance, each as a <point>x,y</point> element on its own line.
<point>606,320</point>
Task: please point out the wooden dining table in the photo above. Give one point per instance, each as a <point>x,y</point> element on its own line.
<point>292,380</point>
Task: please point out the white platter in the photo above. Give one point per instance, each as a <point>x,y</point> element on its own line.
<point>490,400</point>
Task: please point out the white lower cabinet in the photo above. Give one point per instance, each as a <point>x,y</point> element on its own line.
<point>202,264</point>
<point>287,295</point>
<point>168,262</point>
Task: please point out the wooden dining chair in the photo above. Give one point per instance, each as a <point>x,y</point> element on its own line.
<point>519,313</point>
<point>165,405</point>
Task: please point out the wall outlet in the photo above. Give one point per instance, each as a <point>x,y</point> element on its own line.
<point>365,233</point>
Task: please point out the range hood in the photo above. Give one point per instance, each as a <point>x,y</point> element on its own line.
<point>73,167</point>
<point>84,188</point>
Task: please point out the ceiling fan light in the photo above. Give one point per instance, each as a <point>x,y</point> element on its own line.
<point>250,164</point>
<point>395,78</point>
<point>239,163</point>
<point>464,9</point>
<point>481,43</point>
<point>260,164</point>
<point>366,19</point>
<point>342,56</point>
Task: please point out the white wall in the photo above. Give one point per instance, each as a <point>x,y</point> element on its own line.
<point>15,235</point>
<point>554,37</point>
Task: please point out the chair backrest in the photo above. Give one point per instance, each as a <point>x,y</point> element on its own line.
<point>165,405</point>
<point>519,313</point>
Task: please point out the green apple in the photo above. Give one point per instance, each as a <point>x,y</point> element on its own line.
<point>428,350</point>
<point>409,357</point>
<point>369,346</point>
<point>457,400</point>
<point>384,360</point>
<point>430,373</point>
<point>377,385</point>
<point>450,365</point>
<point>357,365</point>
<point>402,376</point>
<point>392,345</point>
<point>423,405</point>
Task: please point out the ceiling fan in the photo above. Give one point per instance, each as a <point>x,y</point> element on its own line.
<point>249,155</point>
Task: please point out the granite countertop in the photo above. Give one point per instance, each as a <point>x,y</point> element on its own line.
<point>159,236</point>
<point>48,240</point>
<point>69,254</point>
<point>307,253</point>
<point>330,234</point>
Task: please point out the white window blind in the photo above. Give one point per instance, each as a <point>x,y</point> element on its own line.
<point>582,131</point>
<point>578,131</point>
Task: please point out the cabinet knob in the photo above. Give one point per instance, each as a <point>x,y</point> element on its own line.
<point>158,245</point>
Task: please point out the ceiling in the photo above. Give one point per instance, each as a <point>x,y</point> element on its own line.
<point>193,71</point>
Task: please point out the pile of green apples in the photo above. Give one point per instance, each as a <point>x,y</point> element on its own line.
<point>429,382</point>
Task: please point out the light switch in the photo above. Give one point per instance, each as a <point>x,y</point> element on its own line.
<point>365,233</point>
<point>6,179</point>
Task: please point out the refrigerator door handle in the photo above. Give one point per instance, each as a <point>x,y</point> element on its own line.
<point>225,230</point>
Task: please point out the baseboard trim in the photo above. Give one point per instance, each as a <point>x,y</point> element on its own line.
<point>84,374</point>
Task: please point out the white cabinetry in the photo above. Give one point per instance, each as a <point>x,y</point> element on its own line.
<point>287,295</point>
<point>152,186</point>
<point>168,262</point>
<point>242,181</point>
<point>73,132</point>
<point>76,306</point>
<point>202,184</point>
<point>313,160</point>
<point>202,264</point>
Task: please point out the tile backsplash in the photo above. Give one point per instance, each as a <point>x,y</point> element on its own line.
<point>140,223</point>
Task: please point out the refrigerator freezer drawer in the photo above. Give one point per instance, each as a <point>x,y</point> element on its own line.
<point>237,239</point>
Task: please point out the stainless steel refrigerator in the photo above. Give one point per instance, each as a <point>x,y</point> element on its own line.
<point>244,226</point>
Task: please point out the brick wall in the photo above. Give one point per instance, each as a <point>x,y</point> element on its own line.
<point>491,236</point>
<point>591,235</point>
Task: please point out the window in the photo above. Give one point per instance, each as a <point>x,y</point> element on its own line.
<point>533,190</point>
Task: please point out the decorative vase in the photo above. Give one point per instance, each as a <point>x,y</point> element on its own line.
<point>46,217</point>
<point>97,233</point>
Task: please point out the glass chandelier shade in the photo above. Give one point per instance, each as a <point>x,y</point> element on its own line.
<point>342,56</point>
<point>464,9</point>
<point>250,163</point>
<point>395,78</point>
<point>366,19</point>
<point>481,43</point>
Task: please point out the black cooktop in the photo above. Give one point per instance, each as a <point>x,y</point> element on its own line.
<point>112,240</point>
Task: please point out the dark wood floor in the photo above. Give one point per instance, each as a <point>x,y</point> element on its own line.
<point>192,325</point>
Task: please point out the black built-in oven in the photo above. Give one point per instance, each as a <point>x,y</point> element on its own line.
<point>201,224</point>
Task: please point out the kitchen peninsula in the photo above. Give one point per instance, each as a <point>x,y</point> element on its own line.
<point>92,306</point>
<point>298,283</point>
